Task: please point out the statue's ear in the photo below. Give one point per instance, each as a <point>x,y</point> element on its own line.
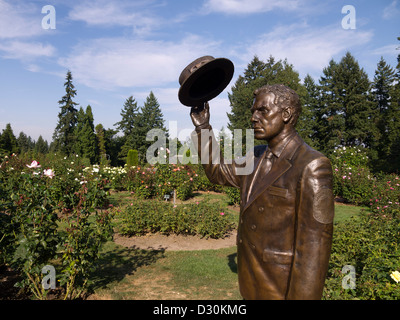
<point>287,114</point>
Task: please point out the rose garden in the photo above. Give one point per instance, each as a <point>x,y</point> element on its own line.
<point>57,211</point>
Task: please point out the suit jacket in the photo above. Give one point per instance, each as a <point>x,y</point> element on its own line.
<point>286,222</point>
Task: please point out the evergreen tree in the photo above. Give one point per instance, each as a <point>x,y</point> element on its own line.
<point>8,142</point>
<point>64,135</point>
<point>353,87</point>
<point>101,143</point>
<point>41,145</point>
<point>309,119</point>
<point>128,125</point>
<point>24,143</point>
<point>331,123</point>
<point>150,117</point>
<point>85,144</point>
<point>385,120</point>
<point>347,109</point>
<point>80,121</point>
<point>129,114</point>
<point>394,122</point>
<point>112,145</point>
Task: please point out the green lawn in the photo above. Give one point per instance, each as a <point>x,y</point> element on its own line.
<point>126,273</point>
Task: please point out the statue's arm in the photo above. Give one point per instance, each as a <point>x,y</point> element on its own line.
<point>313,237</point>
<point>216,169</point>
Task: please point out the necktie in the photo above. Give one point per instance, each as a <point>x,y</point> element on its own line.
<point>269,159</point>
<point>262,170</point>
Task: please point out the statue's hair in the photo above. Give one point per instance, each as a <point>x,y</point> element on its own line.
<point>284,97</point>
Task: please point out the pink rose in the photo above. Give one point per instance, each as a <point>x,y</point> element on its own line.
<point>34,164</point>
<point>49,173</point>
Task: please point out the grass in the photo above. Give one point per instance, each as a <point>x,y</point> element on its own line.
<point>135,274</point>
<point>144,274</point>
<point>344,212</point>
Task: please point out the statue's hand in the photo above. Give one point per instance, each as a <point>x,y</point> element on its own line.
<point>200,115</point>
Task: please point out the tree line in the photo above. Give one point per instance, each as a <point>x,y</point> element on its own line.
<point>76,133</point>
<point>342,108</point>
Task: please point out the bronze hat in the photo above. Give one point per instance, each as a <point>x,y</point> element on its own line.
<point>204,79</point>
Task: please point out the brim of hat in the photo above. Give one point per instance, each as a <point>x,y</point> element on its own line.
<point>222,69</point>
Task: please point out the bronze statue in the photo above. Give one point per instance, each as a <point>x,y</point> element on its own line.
<point>287,208</point>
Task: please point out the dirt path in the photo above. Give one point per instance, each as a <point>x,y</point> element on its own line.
<point>175,242</point>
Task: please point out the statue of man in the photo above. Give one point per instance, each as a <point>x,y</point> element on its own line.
<point>287,206</point>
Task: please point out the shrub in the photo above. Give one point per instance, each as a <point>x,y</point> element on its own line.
<point>385,195</point>
<point>204,219</point>
<point>354,185</point>
<point>132,158</point>
<point>370,243</point>
<point>233,194</point>
<point>352,178</point>
<point>34,205</point>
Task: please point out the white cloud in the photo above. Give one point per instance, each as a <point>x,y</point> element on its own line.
<point>308,49</point>
<point>391,11</point>
<point>26,50</point>
<point>248,6</point>
<point>388,50</point>
<point>115,13</point>
<point>19,20</point>
<point>122,62</point>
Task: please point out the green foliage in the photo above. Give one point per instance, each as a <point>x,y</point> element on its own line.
<point>202,218</point>
<point>85,144</point>
<point>132,158</point>
<point>386,97</point>
<point>34,204</point>
<point>371,244</point>
<point>8,142</point>
<point>346,108</point>
<point>233,194</point>
<point>353,180</point>
<point>64,135</point>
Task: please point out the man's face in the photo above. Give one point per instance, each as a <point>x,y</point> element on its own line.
<point>268,120</point>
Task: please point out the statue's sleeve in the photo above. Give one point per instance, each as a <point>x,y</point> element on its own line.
<point>218,171</point>
<point>314,227</point>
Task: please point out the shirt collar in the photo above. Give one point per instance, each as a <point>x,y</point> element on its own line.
<point>278,149</point>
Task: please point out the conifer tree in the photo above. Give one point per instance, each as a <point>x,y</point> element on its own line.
<point>150,117</point>
<point>309,119</point>
<point>331,123</point>
<point>386,115</point>
<point>101,143</point>
<point>64,137</point>
<point>346,105</point>
<point>394,122</point>
<point>8,142</point>
<point>128,126</point>
<point>85,144</point>
<point>353,88</point>
<point>41,145</point>
<point>24,143</point>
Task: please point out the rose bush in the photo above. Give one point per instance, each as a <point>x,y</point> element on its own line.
<point>370,243</point>
<point>202,218</point>
<point>51,215</point>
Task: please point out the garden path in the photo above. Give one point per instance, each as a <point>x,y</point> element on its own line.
<point>175,242</point>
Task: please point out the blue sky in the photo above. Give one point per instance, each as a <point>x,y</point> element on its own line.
<point>120,48</point>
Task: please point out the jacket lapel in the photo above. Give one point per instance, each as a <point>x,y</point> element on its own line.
<point>280,166</point>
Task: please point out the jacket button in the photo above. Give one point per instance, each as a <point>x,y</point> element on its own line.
<point>253,227</point>
<point>261,209</point>
<point>240,240</point>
